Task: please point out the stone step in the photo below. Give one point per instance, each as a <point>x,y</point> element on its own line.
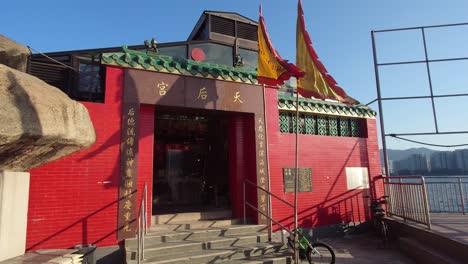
<point>154,250</point>
<point>218,255</point>
<point>183,226</point>
<point>188,217</point>
<point>422,253</point>
<point>197,234</point>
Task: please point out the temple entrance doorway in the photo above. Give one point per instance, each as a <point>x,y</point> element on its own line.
<point>191,166</point>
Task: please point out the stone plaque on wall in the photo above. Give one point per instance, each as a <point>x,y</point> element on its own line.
<point>305,179</point>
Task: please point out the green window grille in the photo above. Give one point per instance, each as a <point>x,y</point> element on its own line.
<point>301,123</point>
<point>310,125</point>
<point>355,128</point>
<point>320,125</point>
<point>284,122</point>
<point>333,126</point>
<point>344,127</point>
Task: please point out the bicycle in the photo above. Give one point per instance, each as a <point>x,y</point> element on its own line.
<point>316,252</point>
<point>378,215</point>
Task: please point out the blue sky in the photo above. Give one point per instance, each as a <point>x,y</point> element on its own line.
<point>340,31</point>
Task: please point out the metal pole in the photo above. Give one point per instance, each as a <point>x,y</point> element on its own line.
<point>426,208</point>
<point>379,99</point>
<point>269,206</point>
<point>243,198</point>
<point>430,81</point>
<point>139,242</point>
<point>296,181</point>
<point>402,199</point>
<point>461,195</point>
<point>144,231</point>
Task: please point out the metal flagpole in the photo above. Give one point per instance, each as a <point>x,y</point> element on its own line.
<point>296,181</point>
<point>270,225</point>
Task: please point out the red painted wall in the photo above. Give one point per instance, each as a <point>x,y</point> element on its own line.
<point>329,202</point>
<point>69,200</point>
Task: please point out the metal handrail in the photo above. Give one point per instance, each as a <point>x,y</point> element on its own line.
<point>269,212</point>
<point>408,201</point>
<point>142,226</point>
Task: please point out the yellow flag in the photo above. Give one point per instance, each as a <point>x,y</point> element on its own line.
<point>272,69</point>
<point>317,82</point>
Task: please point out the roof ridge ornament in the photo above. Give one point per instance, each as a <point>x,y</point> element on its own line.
<point>152,47</point>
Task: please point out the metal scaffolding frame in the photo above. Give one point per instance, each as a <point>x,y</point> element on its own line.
<point>427,62</point>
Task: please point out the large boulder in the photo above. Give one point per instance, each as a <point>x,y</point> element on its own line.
<point>39,123</point>
<point>13,55</point>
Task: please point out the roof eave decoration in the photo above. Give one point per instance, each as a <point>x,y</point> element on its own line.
<point>306,105</point>
<point>167,64</point>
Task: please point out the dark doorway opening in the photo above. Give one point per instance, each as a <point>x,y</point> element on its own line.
<point>191,168</point>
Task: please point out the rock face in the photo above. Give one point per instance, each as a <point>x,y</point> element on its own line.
<point>39,123</point>
<point>13,54</point>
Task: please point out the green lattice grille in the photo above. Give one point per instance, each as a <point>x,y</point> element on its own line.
<point>333,126</point>
<point>310,125</point>
<point>320,125</point>
<point>355,128</point>
<point>284,122</point>
<point>344,127</point>
<point>301,123</point>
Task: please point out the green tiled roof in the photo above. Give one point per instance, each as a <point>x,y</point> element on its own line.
<point>161,63</point>
<point>325,107</point>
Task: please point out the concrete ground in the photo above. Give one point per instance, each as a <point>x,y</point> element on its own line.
<point>365,248</point>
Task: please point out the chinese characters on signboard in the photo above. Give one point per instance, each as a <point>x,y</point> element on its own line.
<point>128,173</point>
<point>262,168</point>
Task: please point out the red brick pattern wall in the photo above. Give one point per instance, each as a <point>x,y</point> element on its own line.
<point>74,200</point>
<point>329,202</point>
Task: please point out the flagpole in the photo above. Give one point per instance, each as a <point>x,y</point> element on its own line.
<point>296,178</point>
<point>270,225</point>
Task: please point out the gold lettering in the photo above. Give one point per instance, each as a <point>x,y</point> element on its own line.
<point>260,128</point>
<point>262,171</point>
<point>131,121</point>
<point>262,180</point>
<point>130,131</point>
<point>261,136</point>
<point>261,163</point>
<point>126,228</point>
<point>130,162</point>
<point>237,98</point>
<point>128,204</point>
<point>129,183</point>
<point>263,198</point>
<point>131,111</point>
<point>202,94</point>
<point>129,152</point>
<point>128,193</point>
<point>130,141</point>
<point>129,173</point>
<point>127,216</point>
<point>261,153</point>
<point>162,86</point>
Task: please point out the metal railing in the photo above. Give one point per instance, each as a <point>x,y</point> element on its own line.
<point>415,197</point>
<point>407,198</point>
<point>142,226</point>
<point>268,214</point>
<point>447,194</point>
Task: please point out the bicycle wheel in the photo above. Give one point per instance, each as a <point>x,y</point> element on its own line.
<point>384,232</point>
<point>320,253</point>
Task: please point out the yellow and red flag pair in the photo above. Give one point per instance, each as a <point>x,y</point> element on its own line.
<point>313,80</point>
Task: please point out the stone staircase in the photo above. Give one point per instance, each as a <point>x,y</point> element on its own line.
<point>198,238</point>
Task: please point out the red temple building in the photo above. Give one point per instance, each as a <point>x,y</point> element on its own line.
<point>189,120</point>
